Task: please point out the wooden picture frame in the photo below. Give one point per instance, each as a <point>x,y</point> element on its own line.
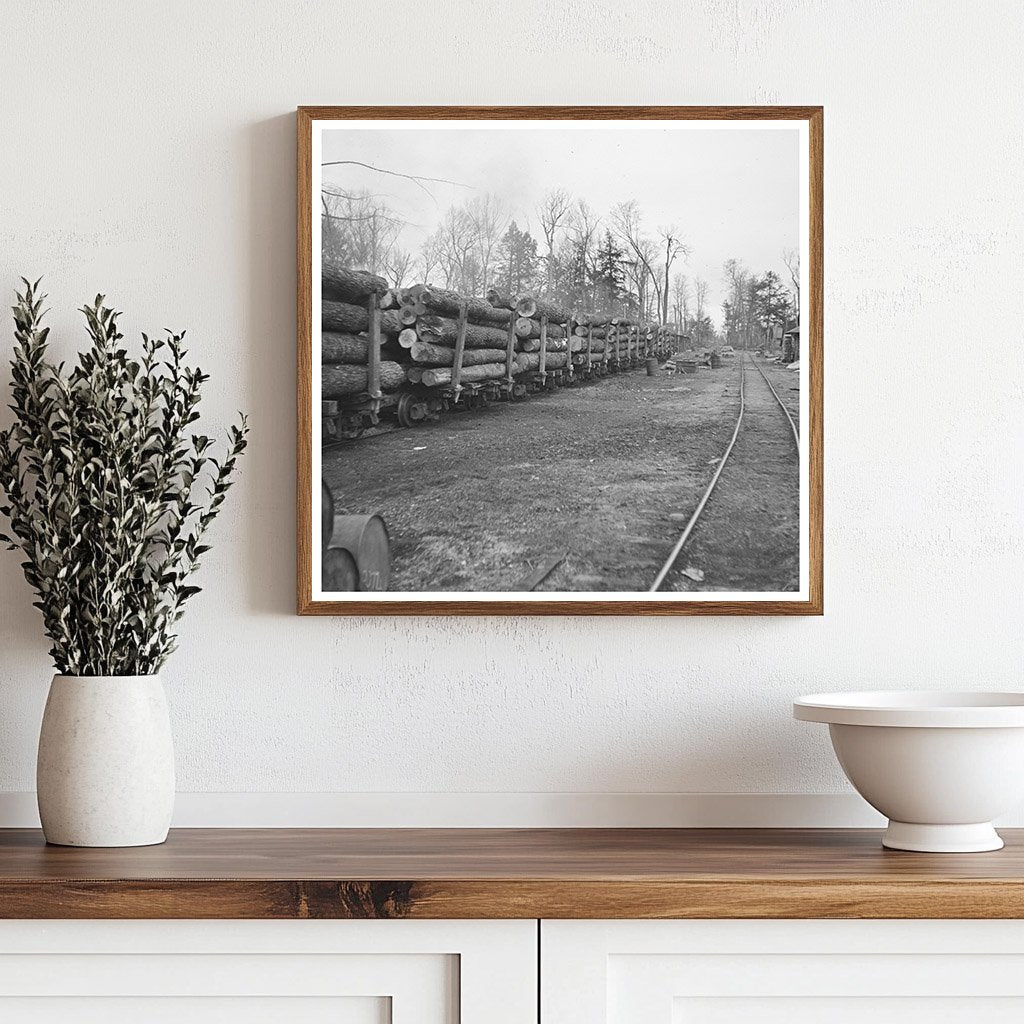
<point>808,120</point>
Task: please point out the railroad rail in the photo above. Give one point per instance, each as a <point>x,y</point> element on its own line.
<point>782,406</point>
<point>702,504</point>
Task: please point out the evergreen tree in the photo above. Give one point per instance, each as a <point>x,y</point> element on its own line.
<point>516,262</point>
<point>703,331</point>
<point>772,305</point>
<point>609,277</point>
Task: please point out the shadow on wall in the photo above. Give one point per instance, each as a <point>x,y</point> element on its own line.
<point>21,638</point>
<point>269,303</point>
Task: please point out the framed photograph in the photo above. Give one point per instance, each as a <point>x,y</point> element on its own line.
<point>560,360</point>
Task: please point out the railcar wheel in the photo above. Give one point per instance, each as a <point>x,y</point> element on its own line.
<point>410,411</point>
<point>402,411</point>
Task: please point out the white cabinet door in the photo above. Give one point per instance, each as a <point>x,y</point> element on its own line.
<point>268,972</point>
<point>782,972</point>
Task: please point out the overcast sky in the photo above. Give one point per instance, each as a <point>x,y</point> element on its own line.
<point>730,193</point>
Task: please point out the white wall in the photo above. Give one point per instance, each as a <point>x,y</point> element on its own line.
<point>148,152</point>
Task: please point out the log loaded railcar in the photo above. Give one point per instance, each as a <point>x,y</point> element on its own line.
<point>413,353</point>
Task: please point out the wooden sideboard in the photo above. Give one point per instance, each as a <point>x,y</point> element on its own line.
<point>508,873</point>
<point>622,926</point>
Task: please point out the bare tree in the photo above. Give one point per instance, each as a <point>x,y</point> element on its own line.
<point>673,248</point>
<point>791,257</point>
<point>359,228</point>
<point>458,237</point>
<point>583,226</point>
<point>553,209</point>
<point>648,253</point>
<point>700,296</point>
<point>490,219</point>
<point>430,254</point>
<point>626,218</point>
<point>399,265</point>
<point>681,301</point>
<point>739,314</point>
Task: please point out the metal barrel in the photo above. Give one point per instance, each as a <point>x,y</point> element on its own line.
<point>338,572</point>
<point>652,366</point>
<point>366,539</point>
<point>326,514</point>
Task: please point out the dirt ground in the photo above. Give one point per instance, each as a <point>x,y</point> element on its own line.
<point>605,473</point>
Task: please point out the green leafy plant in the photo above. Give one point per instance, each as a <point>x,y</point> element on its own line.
<point>109,495</point>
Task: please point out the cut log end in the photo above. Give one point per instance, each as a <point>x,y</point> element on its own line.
<point>526,306</point>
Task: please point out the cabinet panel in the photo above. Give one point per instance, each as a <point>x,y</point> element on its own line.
<point>302,972</point>
<point>847,1010</point>
<point>800,972</point>
<point>189,1010</point>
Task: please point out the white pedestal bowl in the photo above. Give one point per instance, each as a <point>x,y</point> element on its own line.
<point>940,766</point>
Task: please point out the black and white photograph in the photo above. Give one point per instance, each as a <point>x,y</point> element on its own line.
<point>560,359</point>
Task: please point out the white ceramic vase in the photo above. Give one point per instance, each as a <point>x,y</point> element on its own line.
<point>105,771</point>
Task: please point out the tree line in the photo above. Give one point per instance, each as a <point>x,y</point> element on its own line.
<point>580,259</point>
<point>760,306</point>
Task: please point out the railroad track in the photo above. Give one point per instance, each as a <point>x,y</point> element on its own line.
<point>695,518</point>
<point>782,406</point>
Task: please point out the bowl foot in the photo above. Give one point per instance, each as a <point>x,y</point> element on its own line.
<point>980,838</point>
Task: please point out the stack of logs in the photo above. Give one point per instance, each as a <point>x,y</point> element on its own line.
<point>438,338</point>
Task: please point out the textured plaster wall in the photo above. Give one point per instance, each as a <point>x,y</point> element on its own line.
<point>148,152</point>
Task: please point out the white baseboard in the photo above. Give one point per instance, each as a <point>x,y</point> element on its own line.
<point>503,810</point>
<point>495,810</point>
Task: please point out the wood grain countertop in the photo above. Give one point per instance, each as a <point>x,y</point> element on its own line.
<point>508,873</point>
